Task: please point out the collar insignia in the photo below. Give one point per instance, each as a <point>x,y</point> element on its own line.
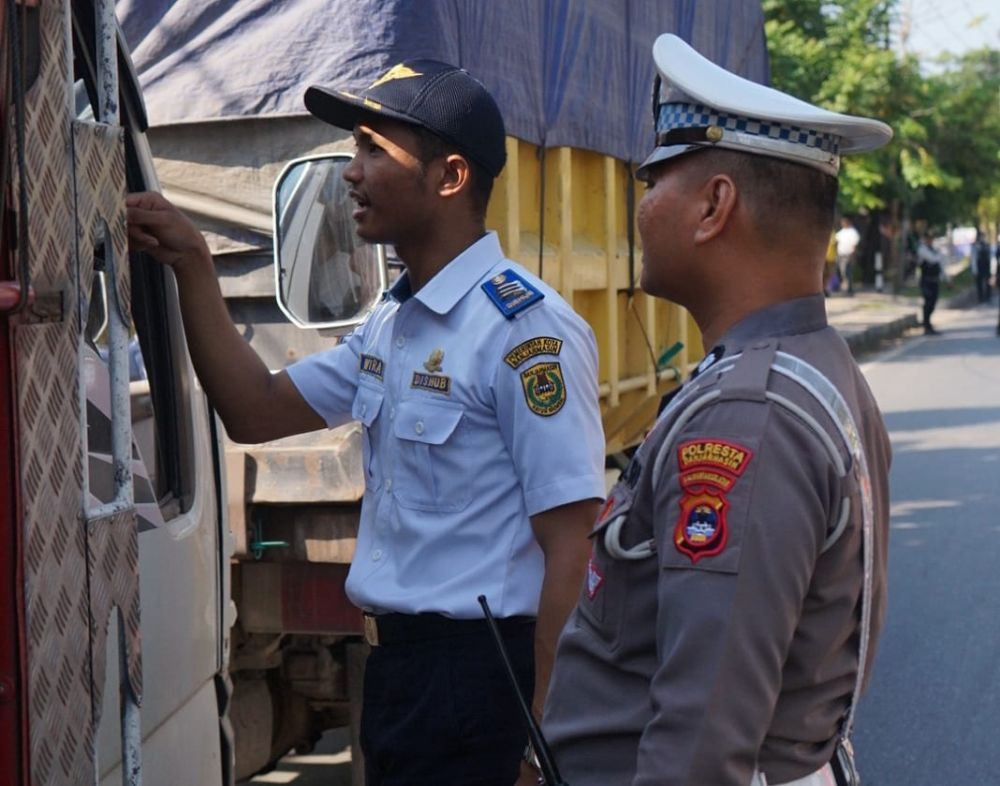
<point>433,363</point>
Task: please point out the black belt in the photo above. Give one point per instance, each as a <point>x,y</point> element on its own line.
<point>385,629</point>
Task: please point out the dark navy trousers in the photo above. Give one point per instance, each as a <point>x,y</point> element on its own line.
<point>441,711</point>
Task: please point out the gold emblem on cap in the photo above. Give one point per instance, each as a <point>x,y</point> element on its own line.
<point>713,134</point>
<point>398,71</point>
<point>433,363</point>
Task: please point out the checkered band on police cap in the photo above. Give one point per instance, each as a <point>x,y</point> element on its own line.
<point>444,99</point>
<point>698,104</point>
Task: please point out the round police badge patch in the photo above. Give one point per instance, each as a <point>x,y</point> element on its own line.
<point>701,529</point>
<point>544,388</point>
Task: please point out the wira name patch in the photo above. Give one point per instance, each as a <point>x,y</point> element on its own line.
<point>544,388</point>
<point>543,345</point>
<point>372,365</point>
<point>436,383</point>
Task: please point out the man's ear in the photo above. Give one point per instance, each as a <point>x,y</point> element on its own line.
<point>455,175</point>
<point>718,203</point>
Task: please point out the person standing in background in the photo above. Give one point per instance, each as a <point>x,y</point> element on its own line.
<point>980,256</point>
<point>932,273</point>
<point>847,245</point>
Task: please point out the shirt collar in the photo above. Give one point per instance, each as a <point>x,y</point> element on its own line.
<point>800,315</point>
<point>454,280</point>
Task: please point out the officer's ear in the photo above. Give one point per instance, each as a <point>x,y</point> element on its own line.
<point>455,175</point>
<point>717,199</point>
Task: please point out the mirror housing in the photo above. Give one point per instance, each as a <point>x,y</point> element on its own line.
<point>325,276</point>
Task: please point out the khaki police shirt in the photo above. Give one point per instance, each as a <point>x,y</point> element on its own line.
<point>736,645</point>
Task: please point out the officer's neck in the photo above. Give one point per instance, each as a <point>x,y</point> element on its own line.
<point>427,255</point>
<point>750,286</point>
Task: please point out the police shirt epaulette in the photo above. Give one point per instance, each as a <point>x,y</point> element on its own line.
<point>510,293</point>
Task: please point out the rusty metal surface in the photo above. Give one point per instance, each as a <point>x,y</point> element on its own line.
<point>322,467</point>
<point>58,599</point>
<point>314,533</point>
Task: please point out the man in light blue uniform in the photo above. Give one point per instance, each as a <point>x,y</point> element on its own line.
<point>476,385</point>
<point>473,422</point>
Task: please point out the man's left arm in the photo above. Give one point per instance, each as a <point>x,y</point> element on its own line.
<point>562,534</point>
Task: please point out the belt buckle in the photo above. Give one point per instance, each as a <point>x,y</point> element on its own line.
<point>371,630</point>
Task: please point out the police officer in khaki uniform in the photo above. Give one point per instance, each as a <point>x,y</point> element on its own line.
<point>737,583</point>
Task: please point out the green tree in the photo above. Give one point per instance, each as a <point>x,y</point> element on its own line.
<point>943,163</point>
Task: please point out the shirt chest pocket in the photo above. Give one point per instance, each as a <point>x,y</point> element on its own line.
<point>431,460</point>
<point>367,404</point>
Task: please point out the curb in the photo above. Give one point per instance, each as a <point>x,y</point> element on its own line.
<point>871,337</point>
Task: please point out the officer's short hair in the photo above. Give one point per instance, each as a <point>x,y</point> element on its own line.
<point>777,193</point>
<point>431,146</point>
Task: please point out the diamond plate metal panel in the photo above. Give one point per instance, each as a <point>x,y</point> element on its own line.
<point>113,553</point>
<point>55,565</point>
<point>65,646</point>
<point>113,558</point>
<point>99,164</point>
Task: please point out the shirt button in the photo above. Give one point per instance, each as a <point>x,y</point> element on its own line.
<point>419,427</point>
<point>364,409</point>
<point>400,342</point>
<point>392,412</point>
<point>376,555</point>
<point>388,484</point>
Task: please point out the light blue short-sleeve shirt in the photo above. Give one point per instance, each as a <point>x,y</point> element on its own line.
<point>474,419</point>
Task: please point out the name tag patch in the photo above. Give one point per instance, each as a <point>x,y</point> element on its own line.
<point>436,383</point>
<point>708,470</point>
<point>544,388</point>
<point>543,345</point>
<point>372,366</point>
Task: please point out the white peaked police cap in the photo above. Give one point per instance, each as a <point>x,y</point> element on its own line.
<point>697,104</point>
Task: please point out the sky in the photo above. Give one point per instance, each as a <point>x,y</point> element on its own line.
<point>936,26</point>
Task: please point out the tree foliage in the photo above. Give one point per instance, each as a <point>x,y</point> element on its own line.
<point>943,163</point>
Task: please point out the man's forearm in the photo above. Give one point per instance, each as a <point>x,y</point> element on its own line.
<point>562,535</point>
<point>560,591</point>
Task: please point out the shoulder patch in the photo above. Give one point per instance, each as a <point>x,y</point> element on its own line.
<point>544,388</point>
<point>709,468</point>
<point>510,293</point>
<point>542,345</point>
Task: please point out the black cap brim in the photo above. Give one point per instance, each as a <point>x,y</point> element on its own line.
<point>345,110</point>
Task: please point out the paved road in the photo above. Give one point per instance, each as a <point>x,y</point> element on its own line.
<point>932,713</point>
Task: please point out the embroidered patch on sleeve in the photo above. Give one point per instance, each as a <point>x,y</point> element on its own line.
<point>594,578</point>
<point>708,471</point>
<point>372,365</point>
<point>543,345</point>
<point>544,388</point>
<point>510,293</point>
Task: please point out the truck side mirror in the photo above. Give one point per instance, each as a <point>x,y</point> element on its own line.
<point>325,275</point>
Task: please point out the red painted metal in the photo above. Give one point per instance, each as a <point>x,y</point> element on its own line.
<point>313,599</point>
<point>10,617</point>
<point>13,718</point>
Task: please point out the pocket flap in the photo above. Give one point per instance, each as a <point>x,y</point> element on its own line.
<point>367,403</point>
<point>420,421</point>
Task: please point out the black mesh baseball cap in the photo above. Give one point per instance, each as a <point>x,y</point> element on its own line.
<point>442,98</point>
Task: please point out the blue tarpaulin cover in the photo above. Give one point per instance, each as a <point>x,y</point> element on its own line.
<point>558,68</point>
